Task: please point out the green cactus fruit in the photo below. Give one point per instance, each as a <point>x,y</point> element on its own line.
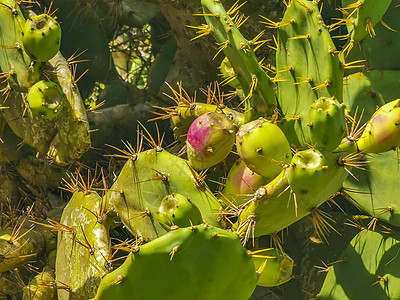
<point>274,269</point>
<point>382,132</point>
<point>16,250</point>
<point>241,181</point>
<point>178,210</point>
<point>199,262</point>
<point>368,269</point>
<point>209,140</point>
<point>327,124</point>
<point>363,16</point>
<point>41,37</point>
<point>40,288</point>
<point>229,75</point>
<point>263,147</point>
<point>46,99</point>
<point>307,169</point>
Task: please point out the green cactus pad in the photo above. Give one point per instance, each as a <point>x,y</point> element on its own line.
<point>83,246</point>
<point>209,140</point>
<point>46,99</point>
<point>260,98</point>
<point>178,210</point>
<point>368,269</point>
<point>149,177</point>
<point>41,37</point>
<point>374,187</point>
<point>308,67</point>
<point>365,14</point>
<point>13,60</point>
<point>189,263</point>
<point>263,147</point>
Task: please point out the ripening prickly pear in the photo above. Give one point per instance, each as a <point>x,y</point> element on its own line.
<point>241,181</point>
<point>327,124</point>
<point>209,140</point>
<point>263,147</point>
<point>41,37</point>
<point>46,99</point>
<point>275,268</point>
<point>382,132</point>
<point>307,170</point>
<point>176,209</point>
<point>40,287</point>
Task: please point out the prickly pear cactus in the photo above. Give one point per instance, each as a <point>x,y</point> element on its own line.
<point>41,37</point>
<point>197,262</point>
<point>26,45</point>
<point>367,269</point>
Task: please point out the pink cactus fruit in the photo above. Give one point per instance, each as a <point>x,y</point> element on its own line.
<point>210,139</point>
<point>241,181</point>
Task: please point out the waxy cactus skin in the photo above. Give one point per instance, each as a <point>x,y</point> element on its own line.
<point>41,37</point>
<point>46,99</point>
<point>178,210</point>
<point>382,132</point>
<point>209,140</point>
<point>263,147</point>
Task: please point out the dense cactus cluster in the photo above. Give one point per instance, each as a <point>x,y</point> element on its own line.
<point>189,221</point>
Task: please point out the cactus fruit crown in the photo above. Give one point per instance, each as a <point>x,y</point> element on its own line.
<point>46,99</point>
<point>41,37</point>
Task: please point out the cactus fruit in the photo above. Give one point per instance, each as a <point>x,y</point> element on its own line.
<point>240,182</point>
<point>263,147</point>
<point>40,288</point>
<point>307,170</point>
<point>184,115</point>
<point>41,37</point>
<point>46,99</point>
<point>382,132</point>
<point>209,140</point>
<point>327,124</point>
<point>19,247</point>
<point>198,262</point>
<point>277,267</point>
<point>178,210</point>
